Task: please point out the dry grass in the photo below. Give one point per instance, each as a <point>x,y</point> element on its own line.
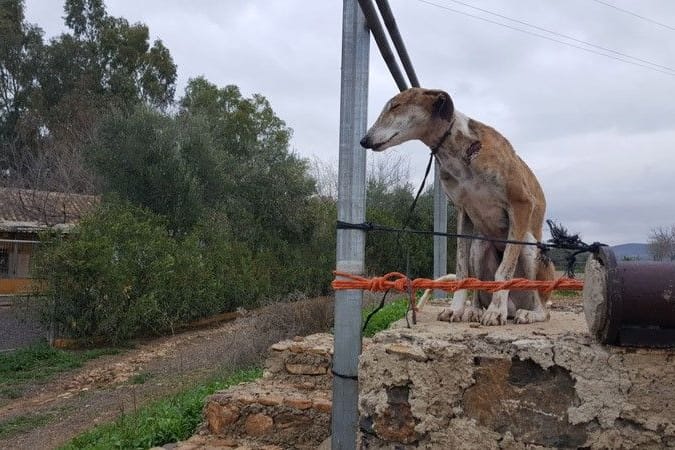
<point>273,323</point>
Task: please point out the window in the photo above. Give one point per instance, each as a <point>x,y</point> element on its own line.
<point>4,262</point>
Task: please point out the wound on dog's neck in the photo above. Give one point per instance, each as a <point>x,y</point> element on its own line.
<point>472,151</point>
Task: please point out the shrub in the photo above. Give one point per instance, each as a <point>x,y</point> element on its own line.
<point>120,274</point>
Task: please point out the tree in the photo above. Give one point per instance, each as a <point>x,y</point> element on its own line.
<point>267,187</point>
<point>108,57</point>
<point>144,157</point>
<point>55,94</point>
<point>20,52</point>
<point>662,243</point>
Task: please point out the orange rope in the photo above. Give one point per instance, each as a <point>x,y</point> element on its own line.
<point>401,283</point>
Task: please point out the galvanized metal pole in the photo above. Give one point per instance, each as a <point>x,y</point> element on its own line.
<point>440,225</point>
<point>351,208</point>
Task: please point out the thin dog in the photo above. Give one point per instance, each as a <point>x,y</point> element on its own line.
<point>495,194</point>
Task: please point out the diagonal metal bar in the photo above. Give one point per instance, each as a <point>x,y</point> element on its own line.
<point>395,35</point>
<point>380,36</point>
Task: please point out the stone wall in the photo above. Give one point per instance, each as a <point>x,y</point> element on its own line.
<point>289,408</point>
<point>546,385</point>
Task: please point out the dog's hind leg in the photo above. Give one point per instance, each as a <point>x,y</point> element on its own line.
<point>532,309</point>
<point>482,265</point>
<point>519,217</point>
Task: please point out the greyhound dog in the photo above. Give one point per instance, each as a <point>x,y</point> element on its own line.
<point>495,194</point>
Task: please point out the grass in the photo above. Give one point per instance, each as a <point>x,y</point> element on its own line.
<point>168,420</point>
<point>140,378</point>
<point>567,294</point>
<point>38,363</point>
<point>391,312</point>
<point>19,424</point>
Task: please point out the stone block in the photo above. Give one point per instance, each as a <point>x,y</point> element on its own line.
<point>258,424</point>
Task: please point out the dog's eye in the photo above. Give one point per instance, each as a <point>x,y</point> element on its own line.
<point>394,106</point>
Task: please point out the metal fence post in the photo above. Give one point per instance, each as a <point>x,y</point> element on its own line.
<point>440,225</point>
<point>351,208</point>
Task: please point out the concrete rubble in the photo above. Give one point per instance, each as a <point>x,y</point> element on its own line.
<point>546,385</point>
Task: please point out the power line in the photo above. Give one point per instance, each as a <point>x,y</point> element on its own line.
<point>647,19</point>
<point>565,36</point>
<point>542,36</point>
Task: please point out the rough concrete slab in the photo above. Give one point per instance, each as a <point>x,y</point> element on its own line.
<point>544,385</point>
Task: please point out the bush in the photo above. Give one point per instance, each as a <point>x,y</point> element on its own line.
<point>120,274</point>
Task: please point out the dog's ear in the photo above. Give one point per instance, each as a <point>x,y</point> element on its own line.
<point>443,106</point>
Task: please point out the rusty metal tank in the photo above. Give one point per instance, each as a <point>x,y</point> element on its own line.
<point>630,303</point>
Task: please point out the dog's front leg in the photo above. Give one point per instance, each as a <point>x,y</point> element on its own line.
<point>519,218</point>
<point>456,310</point>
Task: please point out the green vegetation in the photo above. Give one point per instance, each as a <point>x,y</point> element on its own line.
<point>388,201</point>
<point>391,312</point>
<point>204,208</point>
<point>19,424</point>
<point>571,294</point>
<point>169,420</point>
<point>140,378</point>
<point>39,362</point>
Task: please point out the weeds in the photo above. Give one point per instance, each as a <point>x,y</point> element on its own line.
<point>140,378</point>
<point>19,424</point>
<point>391,312</point>
<point>38,363</point>
<point>169,420</point>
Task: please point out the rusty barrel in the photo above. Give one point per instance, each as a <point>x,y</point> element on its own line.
<point>630,303</point>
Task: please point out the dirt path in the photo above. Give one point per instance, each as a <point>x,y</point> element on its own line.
<point>108,386</point>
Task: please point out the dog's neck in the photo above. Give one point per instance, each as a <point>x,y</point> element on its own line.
<point>443,138</point>
<point>457,140</point>
<point>443,130</point>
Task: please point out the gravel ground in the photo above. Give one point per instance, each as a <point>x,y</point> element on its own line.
<point>18,327</point>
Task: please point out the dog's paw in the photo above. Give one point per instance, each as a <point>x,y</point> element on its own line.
<point>494,316</point>
<point>472,314</point>
<point>450,315</point>
<point>527,316</point>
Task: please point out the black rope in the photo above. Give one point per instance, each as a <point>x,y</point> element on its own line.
<point>344,377</point>
<point>555,242</point>
<point>564,240</point>
<point>373,312</point>
<point>419,193</point>
<point>366,226</point>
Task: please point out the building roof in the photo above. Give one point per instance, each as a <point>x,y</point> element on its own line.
<point>27,210</point>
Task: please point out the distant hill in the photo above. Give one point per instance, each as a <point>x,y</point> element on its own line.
<point>633,251</point>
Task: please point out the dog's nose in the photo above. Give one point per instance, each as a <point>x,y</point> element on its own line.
<point>365,142</point>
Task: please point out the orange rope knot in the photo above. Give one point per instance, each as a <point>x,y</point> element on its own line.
<point>401,283</point>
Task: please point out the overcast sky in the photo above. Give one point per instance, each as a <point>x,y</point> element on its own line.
<point>598,133</point>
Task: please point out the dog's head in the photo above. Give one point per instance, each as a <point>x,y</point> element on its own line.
<point>413,114</point>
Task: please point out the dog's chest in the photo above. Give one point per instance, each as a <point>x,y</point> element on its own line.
<point>479,194</point>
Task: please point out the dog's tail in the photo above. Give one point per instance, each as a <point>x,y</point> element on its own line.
<point>427,294</point>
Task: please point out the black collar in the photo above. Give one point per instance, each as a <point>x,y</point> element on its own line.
<point>447,133</point>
